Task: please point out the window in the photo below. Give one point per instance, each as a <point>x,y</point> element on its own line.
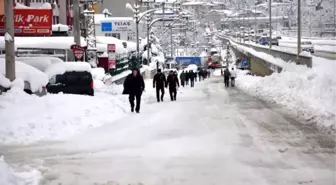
<point>130,36</point>
<point>115,35</point>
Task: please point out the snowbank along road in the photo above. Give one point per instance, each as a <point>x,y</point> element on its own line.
<point>210,135</point>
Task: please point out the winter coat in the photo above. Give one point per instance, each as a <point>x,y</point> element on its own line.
<point>227,73</point>
<point>233,74</point>
<point>183,76</point>
<point>191,75</point>
<point>172,82</point>
<point>134,84</point>
<point>187,74</point>
<point>159,80</point>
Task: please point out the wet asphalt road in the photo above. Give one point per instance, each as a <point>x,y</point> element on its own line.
<point>209,136</point>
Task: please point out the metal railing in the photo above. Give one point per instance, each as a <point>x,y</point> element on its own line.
<point>285,56</point>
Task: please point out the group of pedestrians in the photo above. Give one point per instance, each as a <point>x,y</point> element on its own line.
<point>160,83</point>
<point>229,75</point>
<point>191,76</point>
<point>134,85</point>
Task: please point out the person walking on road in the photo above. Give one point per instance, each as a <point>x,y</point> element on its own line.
<point>159,82</point>
<point>173,84</point>
<point>192,78</point>
<point>200,74</point>
<point>182,78</point>
<point>134,85</point>
<point>187,77</point>
<point>233,77</point>
<point>226,77</point>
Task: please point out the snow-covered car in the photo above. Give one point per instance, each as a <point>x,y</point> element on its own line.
<point>307,46</point>
<point>4,83</point>
<point>70,78</point>
<point>34,80</point>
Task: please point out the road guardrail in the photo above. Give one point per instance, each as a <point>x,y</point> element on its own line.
<point>285,56</point>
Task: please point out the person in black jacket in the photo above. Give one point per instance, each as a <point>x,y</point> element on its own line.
<point>159,81</point>
<point>227,75</point>
<point>187,77</point>
<point>173,84</point>
<point>192,78</point>
<point>134,85</point>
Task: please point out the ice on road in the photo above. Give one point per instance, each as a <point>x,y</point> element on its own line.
<point>209,136</point>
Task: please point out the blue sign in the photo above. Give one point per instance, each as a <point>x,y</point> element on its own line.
<point>106,26</point>
<point>245,63</point>
<point>185,61</point>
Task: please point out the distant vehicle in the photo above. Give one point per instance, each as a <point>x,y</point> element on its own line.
<point>185,61</point>
<point>267,40</point>
<point>278,37</point>
<point>70,78</point>
<point>307,46</point>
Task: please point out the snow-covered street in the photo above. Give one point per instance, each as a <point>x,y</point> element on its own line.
<point>210,135</point>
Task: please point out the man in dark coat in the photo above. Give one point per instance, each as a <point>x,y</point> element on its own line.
<point>187,77</point>
<point>159,81</point>
<point>134,85</point>
<point>227,75</point>
<point>173,84</point>
<point>192,78</point>
<point>200,74</point>
<point>183,78</point>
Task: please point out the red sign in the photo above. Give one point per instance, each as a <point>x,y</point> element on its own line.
<point>111,51</point>
<point>78,51</point>
<point>30,22</point>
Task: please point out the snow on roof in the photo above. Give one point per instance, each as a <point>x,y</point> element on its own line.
<point>131,46</point>
<point>101,18</point>
<point>43,42</point>
<point>40,63</point>
<point>110,40</point>
<point>4,82</point>
<point>60,27</point>
<point>35,77</point>
<point>61,68</point>
<point>213,50</point>
<point>34,6</point>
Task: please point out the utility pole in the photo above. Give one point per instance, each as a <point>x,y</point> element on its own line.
<point>9,40</point>
<point>163,15</point>
<point>148,30</point>
<point>255,21</point>
<point>270,23</point>
<point>171,41</point>
<point>299,30</point>
<point>76,23</point>
<point>334,18</point>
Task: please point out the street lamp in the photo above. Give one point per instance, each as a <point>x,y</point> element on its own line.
<point>135,10</point>
<point>138,16</point>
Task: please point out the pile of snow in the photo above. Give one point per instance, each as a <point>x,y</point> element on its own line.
<point>111,40</point>
<point>40,63</point>
<point>309,92</point>
<point>43,42</point>
<point>60,28</point>
<point>4,82</point>
<point>61,68</point>
<point>217,72</point>
<point>24,72</point>
<point>26,176</point>
<point>67,115</point>
<point>192,67</point>
<point>98,73</point>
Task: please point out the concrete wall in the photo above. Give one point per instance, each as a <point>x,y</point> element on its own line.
<point>257,65</point>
